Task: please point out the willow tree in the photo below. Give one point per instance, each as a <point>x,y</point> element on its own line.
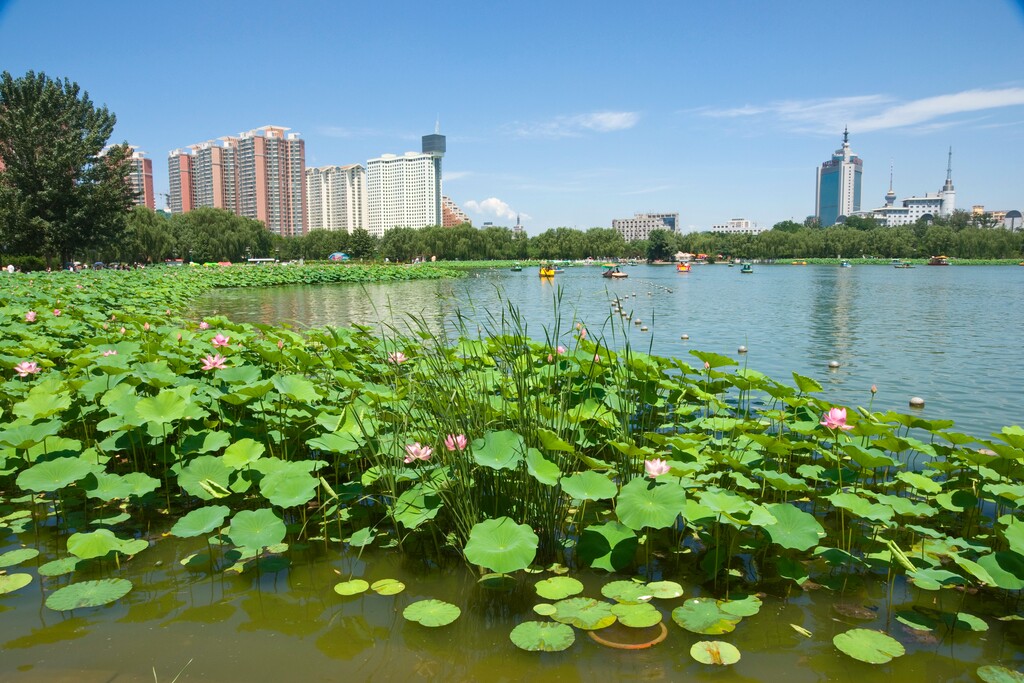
<point>61,194</point>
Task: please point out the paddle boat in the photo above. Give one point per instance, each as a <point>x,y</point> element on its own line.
<point>683,267</point>
<point>846,264</point>
<point>547,271</point>
<point>938,261</point>
<point>611,270</point>
<point>747,268</point>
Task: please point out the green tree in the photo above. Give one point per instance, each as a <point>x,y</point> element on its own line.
<point>659,245</point>
<point>59,193</point>
<point>362,244</point>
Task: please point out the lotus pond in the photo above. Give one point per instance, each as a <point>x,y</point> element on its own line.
<point>215,500</point>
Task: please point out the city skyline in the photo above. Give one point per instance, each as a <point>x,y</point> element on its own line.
<point>570,115</point>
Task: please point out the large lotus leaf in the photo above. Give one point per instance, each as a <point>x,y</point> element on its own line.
<point>862,507</point>
<point>417,505</point>
<point>724,502</point>
<point>45,477</point>
<point>990,673</point>
<point>793,528</point>
<point>714,652</point>
<point>714,360</point>
<point>541,636</point>
<point>558,587</point>
<point>873,647</point>
<point>28,435</point>
<point>242,453</point>
<point>12,582</point>
<point>932,579</point>
<point>664,590</point>
<point>648,504</point>
<point>610,546</point>
<point>64,565</point>
<point>336,442</point>
<point>641,615</point>
<point>296,388</point>
<point>13,557</point>
<point>204,468</point>
<point>97,543</point>
<point>256,528</point>
<point>201,521</point>
<point>43,401</point>
<point>806,385</point>
<point>164,408</point>
<point>88,594</point>
<point>585,613</point>
<point>742,607</point>
<point>703,615</point>
<point>541,469</point>
<point>289,486</point>
<point>627,592</point>
<point>589,486</point>
<point>919,482</point>
<point>502,450</point>
<point>501,545</point>
<point>1006,568</point>
<point>431,613</point>
<point>111,486</point>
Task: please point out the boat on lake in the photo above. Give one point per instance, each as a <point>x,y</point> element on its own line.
<point>897,263</point>
<point>517,268</point>
<point>799,263</point>
<point>547,271</point>
<point>938,261</point>
<point>747,268</point>
<point>846,264</point>
<point>611,270</point>
<point>683,267</point>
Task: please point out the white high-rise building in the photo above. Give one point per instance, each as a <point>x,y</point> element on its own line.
<point>400,192</point>
<point>336,198</point>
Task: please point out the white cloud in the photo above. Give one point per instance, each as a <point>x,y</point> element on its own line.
<point>866,113</point>
<point>456,175</point>
<point>575,126</point>
<point>492,206</point>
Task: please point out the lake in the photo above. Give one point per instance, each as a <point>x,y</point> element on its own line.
<point>953,336</point>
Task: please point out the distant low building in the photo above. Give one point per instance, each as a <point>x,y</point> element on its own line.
<point>738,226</point>
<point>451,214</point>
<point>639,227</point>
<point>913,209</point>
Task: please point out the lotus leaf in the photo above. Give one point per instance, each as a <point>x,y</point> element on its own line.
<point>934,579</point>
<point>964,622</point>
<point>351,587</point>
<point>499,450</point>
<point>12,582</point>
<point>243,452</point>
<point>45,477</point>
<point>417,505</point>
<point>715,652</point>
<point>497,582</point>
<point>200,521</point>
<point>13,557</point>
<point>627,592</point>
<point>991,673</point>
<point>703,615</point>
<point>65,565</point>
<point>387,587</point>
<point>916,621</point>
<point>793,528</point>
<point>538,636</point>
<point>541,469</point>
<point>806,385</point>
<point>664,590</point>
<point>585,613</point>
<point>431,613</point>
<point>88,594</point>
<point>296,387</point>
<point>558,587</point>
<point>545,609</point>
<point>640,615</point>
<point>256,529</point>
<point>1006,568</point>
<point>361,538</point>
<point>873,647</point>
<point>745,607</point>
<point>610,546</point>
<point>164,408</point>
<point>290,486</point>
<point>208,468</point>
<point>97,543</point>
<point>589,486</point>
<point>26,436</point>
<point>501,545</point>
<point>919,482</point>
<point>649,504</point>
<point>713,360</point>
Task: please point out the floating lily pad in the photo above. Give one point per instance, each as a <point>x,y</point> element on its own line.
<point>703,615</point>
<point>641,615</point>
<point>747,607</point>
<point>999,674</point>
<point>13,557</point>
<point>714,652</point>
<point>432,613</point>
<point>585,613</point>
<point>558,587</point>
<point>88,594</point>
<point>538,636</point>
<point>545,609</point>
<point>12,582</point>
<point>201,521</point>
<point>501,545</point>
<point>65,565</point>
<point>664,590</point>
<point>353,587</point>
<point>916,621</point>
<point>628,592</point>
<point>387,587</point>
<point>873,647</point>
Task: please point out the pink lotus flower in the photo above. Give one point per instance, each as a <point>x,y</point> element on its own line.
<point>836,419</point>
<point>414,451</point>
<point>113,317</point>
<point>280,343</point>
<point>56,312</point>
<point>874,389</point>
<point>167,312</point>
<point>455,442</point>
<point>397,358</point>
<point>122,330</point>
<point>179,336</point>
<point>26,368</point>
<point>583,333</point>
<point>550,358</point>
<point>655,467</point>
<point>221,340</point>
<point>707,365</point>
<point>110,352</point>
<point>560,350</point>
<point>30,317</point>
<point>204,325</point>
<point>214,362</point>
<point>145,327</point>
<point>597,358</point>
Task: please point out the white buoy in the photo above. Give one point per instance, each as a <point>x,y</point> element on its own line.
<point>684,337</point>
<point>833,364</point>
<point>637,321</point>
<point>742,349</point>
<point>917,402</point>
<point>644,328</point>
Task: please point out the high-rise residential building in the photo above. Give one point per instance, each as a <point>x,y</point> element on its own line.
<point>260,174</point>
<point>913,209</point>
<point>639,227</point>
<point>451,214</point>
<point>837,191</point>
<point>336,198</point>
<point>141,178</point>
<point>405,191</point>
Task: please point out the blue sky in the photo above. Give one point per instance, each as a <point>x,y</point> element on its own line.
<point>569,113</point>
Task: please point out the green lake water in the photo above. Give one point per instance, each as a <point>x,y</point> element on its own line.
<point>950,335</point>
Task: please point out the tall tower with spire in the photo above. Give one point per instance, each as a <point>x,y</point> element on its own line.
<point>890,196</point>
<point>948,194</point>
<point>435,146</point>
<point>837,192</point>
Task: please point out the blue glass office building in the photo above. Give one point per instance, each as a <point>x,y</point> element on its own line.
<point>838,185</point>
